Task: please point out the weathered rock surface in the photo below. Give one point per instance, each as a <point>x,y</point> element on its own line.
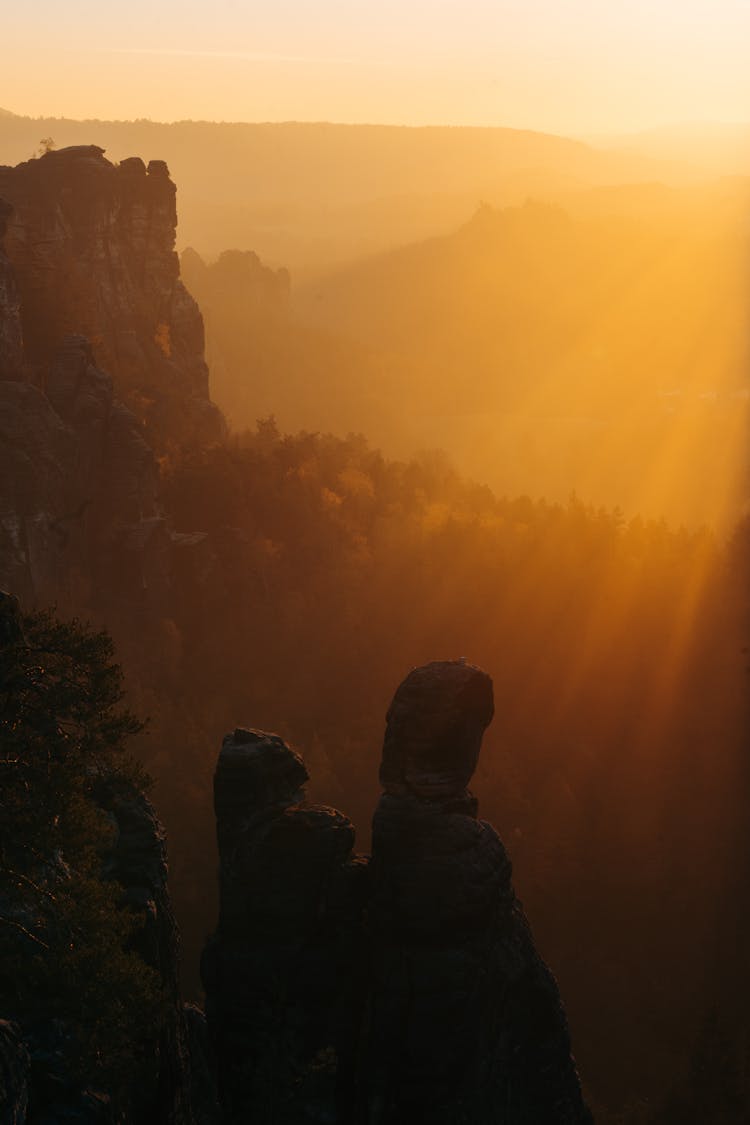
<point>78,487</point>
<point>283,972</point>
<point>137,861</point>
<point>11,339</point>
<point>101,369</point>
<point>407,989</point>
<point>465,1021</point>
<point>434,730</point>
<point>91,246</point>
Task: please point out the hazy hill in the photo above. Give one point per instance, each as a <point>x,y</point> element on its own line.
<point>302,195</point>
<point>592,348</point>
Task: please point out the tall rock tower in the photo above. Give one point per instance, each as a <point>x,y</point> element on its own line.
<point>400,990</point>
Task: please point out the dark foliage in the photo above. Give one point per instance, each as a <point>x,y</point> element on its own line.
<point>64,958</point>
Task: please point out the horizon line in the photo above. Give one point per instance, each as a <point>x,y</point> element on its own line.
<point>585,135</point>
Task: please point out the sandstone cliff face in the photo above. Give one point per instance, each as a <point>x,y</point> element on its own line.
<point>78,489</point>
<point>91,246</point>
<point>11,347</point>
<point>101,372</point>
<point>138,862</point>
<point>384,993</point>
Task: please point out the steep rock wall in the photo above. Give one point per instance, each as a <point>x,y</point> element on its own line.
<point>102,372</point>
<point>283,975</point>
<point>11,345</point>
<point>79,511</point>
<point>91,246</point>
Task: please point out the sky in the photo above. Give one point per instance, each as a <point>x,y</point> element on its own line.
<point>568,66</point>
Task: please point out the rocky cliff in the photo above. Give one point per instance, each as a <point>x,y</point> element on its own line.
<point>102,372</point>
<point>91,246</point>
<point>11,340</point>
<point>400,989</point>
<point>78,488</point>
<point>284,974</point>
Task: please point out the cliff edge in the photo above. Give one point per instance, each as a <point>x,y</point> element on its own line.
<point>91,247</point>
<point>102,374</point>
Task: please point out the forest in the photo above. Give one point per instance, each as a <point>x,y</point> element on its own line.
<point>592,347</point>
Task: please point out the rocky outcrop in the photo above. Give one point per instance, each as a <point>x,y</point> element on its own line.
<point>91,246</point>
<point>11,339</point>
<point>465,1022</point>
<point>78,490</point>
<point>407,989</point>
<point>102,372</point>
<point>283,974</point>
<point>137,860</point>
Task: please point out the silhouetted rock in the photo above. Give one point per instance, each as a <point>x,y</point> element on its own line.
<point>283,972</point>
<point>137,861</point>
<point>434,730</point>
<point>204,1100</point>
<point>401,991</point>
<point>465,1021</point>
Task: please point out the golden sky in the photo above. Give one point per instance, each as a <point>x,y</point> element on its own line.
<point>571,66</point>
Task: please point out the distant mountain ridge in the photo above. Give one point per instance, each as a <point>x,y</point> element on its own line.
<point>307,194</point>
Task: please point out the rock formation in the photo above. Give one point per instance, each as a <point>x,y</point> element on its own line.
<point>407,989</point>
<point>102,371</point>
<point>91,246</point>
<point>11,339</point>
<point>283,974</point>
<point>137,861</point>
<point>78,487</point>
<point>465,1021</point>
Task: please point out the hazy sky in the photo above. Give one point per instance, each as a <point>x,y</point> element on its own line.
<point>573,66</point>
